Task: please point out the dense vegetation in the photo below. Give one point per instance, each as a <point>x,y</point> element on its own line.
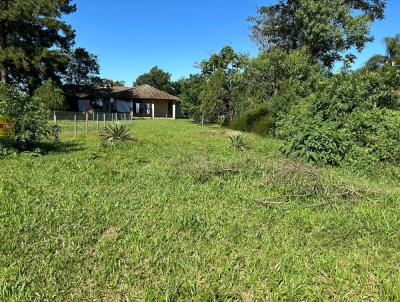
<point>290,91</point>
<point>152,221</point>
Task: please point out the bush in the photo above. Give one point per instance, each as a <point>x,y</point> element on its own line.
<point>320,144</point>
<point>52,96</point>
<point>353,119</point>
<point>30,115</point>
<point>258,120</point>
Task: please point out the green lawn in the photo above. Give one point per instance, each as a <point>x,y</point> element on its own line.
<point>180,216</point>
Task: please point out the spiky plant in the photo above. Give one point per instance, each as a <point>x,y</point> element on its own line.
<point>114,133</point>
<point>237,140</point>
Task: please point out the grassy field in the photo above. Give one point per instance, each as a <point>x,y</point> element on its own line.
<point>177,215</point>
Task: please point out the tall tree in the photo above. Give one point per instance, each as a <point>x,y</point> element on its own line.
<point>327,27</point>
<point>83,68</point>
<point>32,34</point>
<point>157,78</point>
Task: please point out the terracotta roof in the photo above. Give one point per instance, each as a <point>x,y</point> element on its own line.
<point>144,92</point>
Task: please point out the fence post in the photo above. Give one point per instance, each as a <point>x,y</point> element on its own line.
<point>75,126</point>
<point>93,117</point>
<point>97,115</point>
<point>116,117</point>
<point>55,118</point>
<point>112,117</point>
<point>131,116</point>
<point>87,123</point>
<point>104,118</point>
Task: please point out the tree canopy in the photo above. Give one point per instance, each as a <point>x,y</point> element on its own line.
<point>328,27</point>
<point>157,78</point>
<point>33,40</point>
<point>83,68</point>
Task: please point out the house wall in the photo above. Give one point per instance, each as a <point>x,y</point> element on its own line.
<point>160,108</point>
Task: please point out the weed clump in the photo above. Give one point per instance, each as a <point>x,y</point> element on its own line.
<point>115,133</point>
<point>237,141</point>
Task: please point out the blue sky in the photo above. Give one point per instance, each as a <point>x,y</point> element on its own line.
<point>131,36</point>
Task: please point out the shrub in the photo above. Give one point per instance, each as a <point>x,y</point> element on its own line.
<point>258,120</point>
<point>115,133</point>
<point>353,119</point>
<point>320,144</point>
<point>375,136</point>
<point>52,96</point>
<point>30,115</point>
<point>237,140</point>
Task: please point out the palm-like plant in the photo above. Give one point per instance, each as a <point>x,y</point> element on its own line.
<point>115,133</point>
<point>237,141</point>
<point>392,49</point>
<point>392,56</point>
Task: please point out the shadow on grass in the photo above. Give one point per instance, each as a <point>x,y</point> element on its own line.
<point>61,147</point>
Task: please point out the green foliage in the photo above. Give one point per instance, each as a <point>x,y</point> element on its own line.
<point>238,140</point>
<point>259,120</point>
<point>30,114</point>
<point>116,133</point>
<point>280,78</point>
<point>82,70</point>
<point>191,89</point>
<point>51,96</point>
<point>215,96</point>
<point>157,78</point>
<point>34,40</point>
<point>352,118</point>
<point>221,120</point>
<point>345,93</point>
<point>327,27</point>
<point>223,74</point>
<point>375,136</point>
<point>321,144</point>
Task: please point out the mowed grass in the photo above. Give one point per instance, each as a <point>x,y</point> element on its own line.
<point>177,215</point>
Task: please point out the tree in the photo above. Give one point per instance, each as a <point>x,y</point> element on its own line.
<point>392,57</point>
<point>392,49</point>
<point>33,40</point>
<point>112,83</point>
<point>223,69</point>
<point>83,69</point>
<point>51,96</point>
<point>327,27</point>
<point>191,89</point>
<point>215,97</point>
<point>279,78</point>
<point>157,78</point>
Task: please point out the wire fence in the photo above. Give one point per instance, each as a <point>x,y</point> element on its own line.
<point>84,123</point>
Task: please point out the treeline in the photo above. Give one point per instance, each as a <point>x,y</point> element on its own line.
<point>301,87</point>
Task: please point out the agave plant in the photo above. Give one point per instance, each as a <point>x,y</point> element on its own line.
<point>237,140</point>
<point>115,133</point>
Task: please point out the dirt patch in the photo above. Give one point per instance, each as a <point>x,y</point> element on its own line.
<point>219,133</point>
